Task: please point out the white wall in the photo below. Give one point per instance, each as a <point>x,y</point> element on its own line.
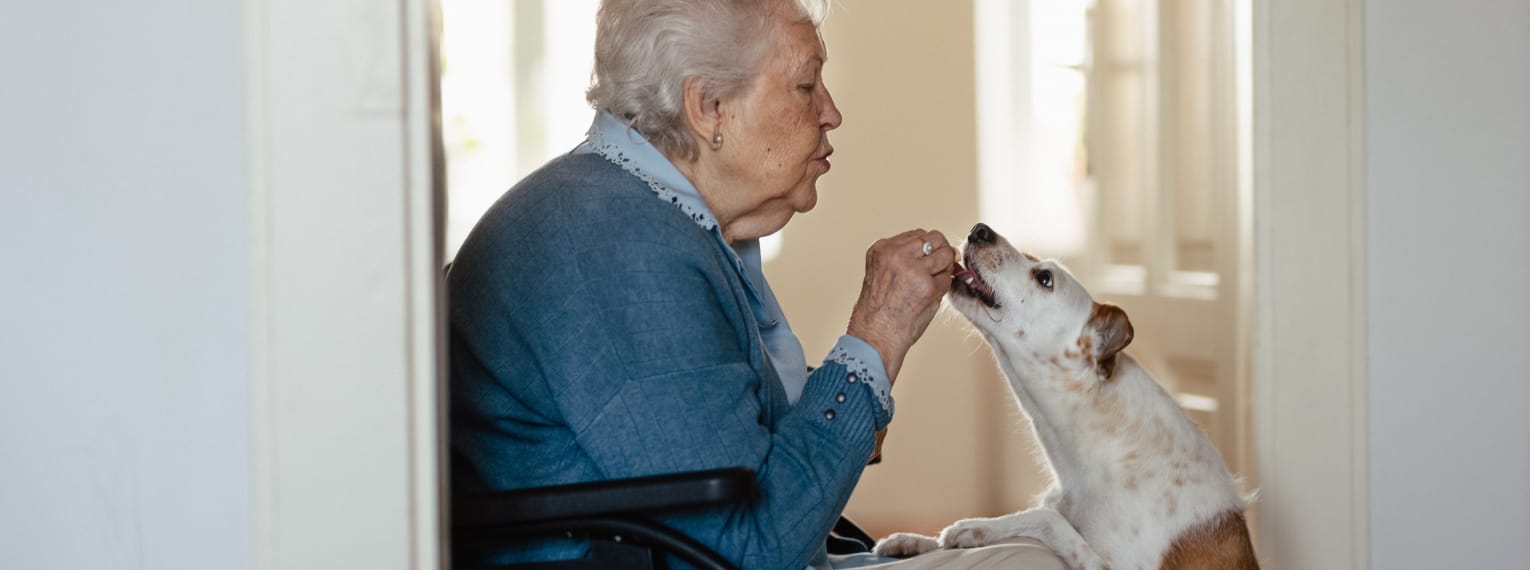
<point>124,386</point>
<point>1448,131</point>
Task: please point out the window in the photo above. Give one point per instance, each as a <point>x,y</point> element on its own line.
<point>513,76</point>
<point>1032,176</point>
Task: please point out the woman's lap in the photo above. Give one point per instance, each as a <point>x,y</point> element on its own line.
<point>1017,554</point>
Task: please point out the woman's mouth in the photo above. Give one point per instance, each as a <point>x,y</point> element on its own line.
<point>970,283</point>
<point>825,160</point>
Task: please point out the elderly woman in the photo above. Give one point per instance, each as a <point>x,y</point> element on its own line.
<point>609,316</point>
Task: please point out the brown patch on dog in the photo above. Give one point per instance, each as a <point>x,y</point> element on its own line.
<point>1108,428</point>
<point>1070,355</point>
<point>1129,461</point>
<point>1219,544</point>
<point>1131,483</point>
<point>978,535</point>
<point>1161,441</point>
<point>1107,404</point>
<point>1028,255</point>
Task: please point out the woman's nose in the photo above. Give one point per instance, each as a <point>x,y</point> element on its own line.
<point>981,233</point>
<point>828,115</point>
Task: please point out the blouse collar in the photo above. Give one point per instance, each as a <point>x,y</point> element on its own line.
<point>619,143</point>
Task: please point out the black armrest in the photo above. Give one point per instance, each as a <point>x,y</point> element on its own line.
<point>607,498</point>
<point>613,508</point>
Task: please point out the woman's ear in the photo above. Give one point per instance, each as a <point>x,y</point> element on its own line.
<point>703,115</point>
<point>1111,331</point>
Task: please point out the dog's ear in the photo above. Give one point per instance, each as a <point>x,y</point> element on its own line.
<point>1112,331</point>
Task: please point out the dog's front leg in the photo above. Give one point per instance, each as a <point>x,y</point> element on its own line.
<point>1052,498</point>
<point>1045,525</point>
<point>904,545</point>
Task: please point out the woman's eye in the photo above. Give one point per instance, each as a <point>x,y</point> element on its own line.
<point>1044,277</point>
<point>807,87</point>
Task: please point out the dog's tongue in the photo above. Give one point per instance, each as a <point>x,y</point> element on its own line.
<point>961,274</point>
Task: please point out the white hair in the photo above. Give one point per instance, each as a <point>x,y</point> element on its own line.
<point>645,50</point>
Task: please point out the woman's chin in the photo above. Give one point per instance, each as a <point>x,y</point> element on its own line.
<point>808,205</point>
<point>808,198</point>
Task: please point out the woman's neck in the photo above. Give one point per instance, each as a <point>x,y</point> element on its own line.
<point>703,179</point>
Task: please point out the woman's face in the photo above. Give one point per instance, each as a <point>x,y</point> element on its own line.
<point>776,135</point>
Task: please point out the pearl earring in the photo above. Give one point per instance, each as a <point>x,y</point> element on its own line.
<point>717,141</point>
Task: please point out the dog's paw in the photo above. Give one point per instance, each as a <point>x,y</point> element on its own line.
<point>972,533</point>
<point>904,545</point>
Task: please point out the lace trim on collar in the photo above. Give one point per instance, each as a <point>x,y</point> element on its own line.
<point>614,154</point>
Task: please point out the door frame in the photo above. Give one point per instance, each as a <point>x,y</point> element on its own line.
<point>1309,351</point>
<point>346,198</point>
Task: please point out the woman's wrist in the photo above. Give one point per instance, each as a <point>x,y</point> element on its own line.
<point>891,352</point>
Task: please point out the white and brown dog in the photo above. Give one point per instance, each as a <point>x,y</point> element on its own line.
<point>1135,483</point>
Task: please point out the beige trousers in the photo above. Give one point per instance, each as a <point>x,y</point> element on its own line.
<point>1013,554</point>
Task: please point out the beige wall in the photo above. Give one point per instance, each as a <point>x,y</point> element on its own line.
<point>902,74</point>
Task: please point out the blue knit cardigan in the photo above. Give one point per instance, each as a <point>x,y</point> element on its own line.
<point>598,333</point>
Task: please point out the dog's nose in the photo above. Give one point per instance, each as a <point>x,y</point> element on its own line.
<point>981,233</point>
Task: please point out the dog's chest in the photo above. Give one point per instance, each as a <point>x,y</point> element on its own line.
<point>1132,488</point>
<point>1132,500</point>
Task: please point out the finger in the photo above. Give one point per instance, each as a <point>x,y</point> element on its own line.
<point>913,235</point>
<point>934,239</point>
<point>892,246</point>
<point>926,290</point>
<point>937,240</point>
<point>943,281</point>
<point>944,273</point>
<point>940,259</point>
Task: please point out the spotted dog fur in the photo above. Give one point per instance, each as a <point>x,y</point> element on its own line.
<point>1136,484</point>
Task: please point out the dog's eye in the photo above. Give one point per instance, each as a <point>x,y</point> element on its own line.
<point>1044,277</point>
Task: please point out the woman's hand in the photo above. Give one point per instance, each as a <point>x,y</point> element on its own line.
<point>876,451</point>
<point>901,293</point>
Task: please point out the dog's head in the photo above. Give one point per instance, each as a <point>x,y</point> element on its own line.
<point>1034,309</point>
